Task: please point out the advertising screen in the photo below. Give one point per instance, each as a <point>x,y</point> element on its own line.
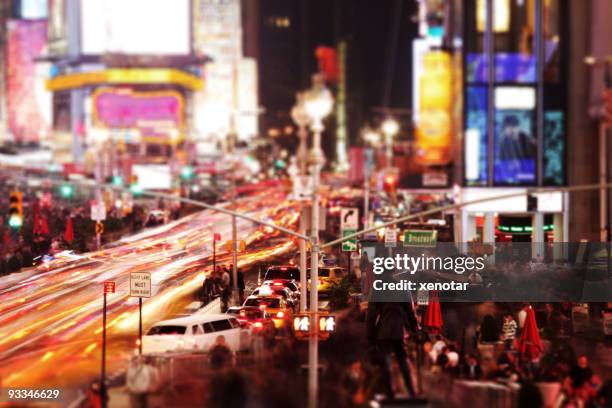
<point>29,103</point>
<point>136,27</point>
<point>515,147</point>
<point>554,148</point>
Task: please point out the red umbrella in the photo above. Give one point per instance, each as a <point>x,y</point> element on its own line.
<point>433,315</point>
<point>69,233</point>
<point>530,345</point>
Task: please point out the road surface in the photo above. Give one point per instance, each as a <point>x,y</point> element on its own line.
<point>51,316</point>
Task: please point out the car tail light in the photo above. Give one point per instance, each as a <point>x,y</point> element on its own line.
<point>137,342</point>
<point>284,268</point>
<point>280,315</point>
<point>262,307</point>
<point>277,284</point>
<point>257,325</point>
<point>320,282</point>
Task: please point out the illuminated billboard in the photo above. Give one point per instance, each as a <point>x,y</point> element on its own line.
<point>158,116</point>
<point>28,102</point>
<point>136,27</point>
<point>434,127</point>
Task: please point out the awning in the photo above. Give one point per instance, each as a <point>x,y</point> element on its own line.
<point>131,76</point>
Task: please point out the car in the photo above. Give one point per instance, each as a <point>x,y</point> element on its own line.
<point>274,307</point>
<point>292,286</point>
<point>328,276</point>
<point>289,296</point>
<point>291,273</point>
<point>196,332</point>
<point>254,317</point>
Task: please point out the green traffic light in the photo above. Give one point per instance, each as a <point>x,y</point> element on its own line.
<point>118,181</point>
<point>15,221</point>
<point>135,189</point>
<point>67,190</point>
<point>187,173</point>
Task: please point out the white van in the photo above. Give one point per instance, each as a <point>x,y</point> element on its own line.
<point>196,332</point>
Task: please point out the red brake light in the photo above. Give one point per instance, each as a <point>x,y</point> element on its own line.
<point>277,284</point>
<point>262,307</point>
<point>257,325</point>
<point>137,342</point>
<point>242,313</point>
<point>280,315</point>
<point>284,268</point>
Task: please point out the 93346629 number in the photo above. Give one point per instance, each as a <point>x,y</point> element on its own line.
<point>30,394</point>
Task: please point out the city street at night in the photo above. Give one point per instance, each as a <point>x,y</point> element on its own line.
<point>305,203</point>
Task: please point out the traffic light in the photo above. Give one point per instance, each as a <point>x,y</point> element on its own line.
<point>117,181</point>
<point>135,188</point>
<point>187,173</point>
<point>67,191</point>
<point>15,209</point>
<point>390,183</point>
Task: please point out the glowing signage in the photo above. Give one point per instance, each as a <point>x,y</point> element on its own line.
<point>28,102</point>
<point>434,128</point>
<point>157,114</point>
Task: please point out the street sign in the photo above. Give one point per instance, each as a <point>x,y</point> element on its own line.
<point>109,287</point>
<point>423,297</point>
<point>140,284</point>
<point>391,237</point>
<point>351,244</point>
<point>99,228</point>
<point>98,211</point>
<point>420,238</point>
<point>349,219</point>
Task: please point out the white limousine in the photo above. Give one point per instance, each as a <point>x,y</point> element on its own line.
<point>196,332</point>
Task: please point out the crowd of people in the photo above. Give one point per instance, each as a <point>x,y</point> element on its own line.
<point>219,284</point>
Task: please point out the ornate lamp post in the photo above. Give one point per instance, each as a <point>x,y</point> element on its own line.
<point>318,103</point>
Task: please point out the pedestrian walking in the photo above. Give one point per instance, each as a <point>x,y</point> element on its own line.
<point>509,330</point>
<point>386,323</point>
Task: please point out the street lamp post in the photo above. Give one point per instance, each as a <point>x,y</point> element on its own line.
<point>318,102</point>
<point>389,127</point>
<point>301,118</point>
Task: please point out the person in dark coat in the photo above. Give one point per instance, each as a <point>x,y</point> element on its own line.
<point>385,328</point>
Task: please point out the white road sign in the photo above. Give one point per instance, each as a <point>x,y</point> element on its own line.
<point>140,284</point>
<point>349,219</point>
<point>98,211</point>
<point>390,237</point>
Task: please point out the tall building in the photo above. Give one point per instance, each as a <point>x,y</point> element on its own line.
<point>524,113</point>
<point>118,94</point>
<point>229,102</point>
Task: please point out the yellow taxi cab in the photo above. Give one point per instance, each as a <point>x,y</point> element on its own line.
<point>275,307</point>
<point>328,276</point>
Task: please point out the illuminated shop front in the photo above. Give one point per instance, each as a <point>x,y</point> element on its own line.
<point>514,117</point>
<point>122,96</point>
<point>141,110</point>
